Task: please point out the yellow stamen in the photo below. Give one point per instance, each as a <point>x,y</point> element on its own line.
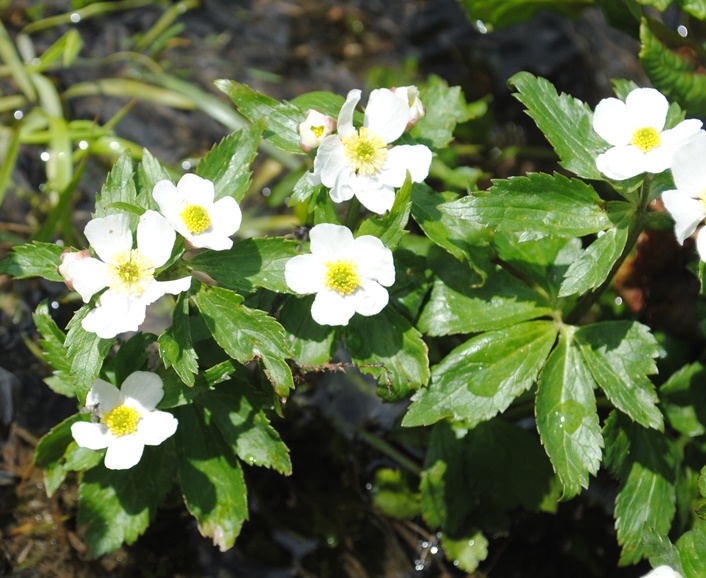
<point>130,273</point>
<point>342,276</point>
<point>317,130</point>
<point>646,138</point>
<point>195,218</point>
<point>122,420</point>
<point>366,151</point>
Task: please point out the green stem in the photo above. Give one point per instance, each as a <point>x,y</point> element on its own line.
<point>388,450</point>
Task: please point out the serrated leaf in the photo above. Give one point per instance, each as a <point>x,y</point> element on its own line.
<point>237,410</point>
<point>229,162</point>
<point>116,506</point>
<point>387,346</point>
<point>119,187</point>
<point>50,450</point>
<point>175,346</point>
<point>694,7</point>
<point>692,551</point>
<point>537,205</point>
<point>683,400</point>
<point>325,102</point>
<point>33,260</point>
<point>620,355</point>
<point>566,122</point>
<point>412,275</point>
<point>467,552</point>
<point>304,189</point>
<point>210,477</point>
<point>482,377</point>
<point>507,12</point>
<point>282,119</point>
<point>250,263</point>
<point>390,228</point>
<point>52,343</point>
<point>86,352</point>
<point>149,172</point>
<point>311,344</point>
<point>246,333</point>
<point>645,463</point>
<point>660,551</point>
<point>458,304</point>
<point>567,417</point>
<point>78,459</point>
<point>132,355</point>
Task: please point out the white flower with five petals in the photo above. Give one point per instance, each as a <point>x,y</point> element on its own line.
<point>128,420</point>
<point>190,209</point>
<point>687,203</point>
<point>348,275</point>
<point>358,162</point>
<point>315,128</point>
<point>635,128</point>
<point>127,272</point>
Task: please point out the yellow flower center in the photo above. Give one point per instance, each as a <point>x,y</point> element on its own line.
<point>130,273</point>
<point>646,138</point>
<point>342,276</point>
<point>317,130</point>
<point>366,151</point>
<point>122,420</point>
<point>195,218</point>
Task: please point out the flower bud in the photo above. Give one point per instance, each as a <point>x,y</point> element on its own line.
<point>314,129</point>
<point>410,94</point>
<point>68,258</point>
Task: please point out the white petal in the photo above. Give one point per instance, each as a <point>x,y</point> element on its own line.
<point>647,107</point>
<point>374,260</point>
<point>686,212</point>
<point>370,299</point>
<point>155,290</point>
<point>109,235</point>
<point>623,162</point>
<point>609,121</point>
<point>155,237</point>
<point>386,114</point>
<point>88,276</point>
<point>114,314</point>
<point>331,308</point>
<point>658,160</point>
<point>345,186</point>
<point>155,427</point>
<point>413,158</point>
<point>124,453</point>
<point>304,274</point>
<point>225,218</point>
<point>345,115</point>
<point>662,572</point>
<point>105,394</point>
<point>377,200</point>
<point>328,241</point>
<point>144,387</point>
<point>701,244</point>
<point>93,436</point>
<point>688,168</point>
<point>167,197</point>
<point>331,160</point>
<point>196,190</point>
<point>683,132</point>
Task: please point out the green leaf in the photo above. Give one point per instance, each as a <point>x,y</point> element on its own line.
<point>237,410</point>
<point>119,187</point>
<point>304,189</point>
<point>33,260</point>
<point>458,305</point>
<point>620,355</point>
<point>325,102</point>
<point>660,550</point>
<point>133,355</point>
<point>502,13</point>
<point>412,275</point>
<point>311,344</point>
<point>595,264</point>
<point>175,346</point>
<point>692,551</point>
<point>116,506</point>
<point>483,376</point>
<point>390,228</point>
<point>246,333</point>
<point>149,172</point>
<point>645,463</point>
<point>52,342</point>
<point>567,417</point>
<point>228,163</point>
<point>661,5</point>
<point>210,477</point>
<point>250,263</point>
<point>683,400</point>
<point>566,122</point>
<point>394,495</point>
<point>536,206</point>
<point>282,119</point>
<point>694,7</point>
<point>387,346</point>
<point>467,552</point>
<point>78,459</point>
<point>86,352</point>
<point>50,450</point>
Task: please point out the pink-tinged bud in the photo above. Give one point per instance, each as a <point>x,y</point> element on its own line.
<point>410,94</point>
<point>68,258</point>
<point>314,129</point>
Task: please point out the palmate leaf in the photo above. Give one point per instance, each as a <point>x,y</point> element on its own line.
<point>33,260</point>
<point>483,376</point>
<point>565,121</point>
<point>567,418</point>
<point>645,463</point>
<point>620,355</point>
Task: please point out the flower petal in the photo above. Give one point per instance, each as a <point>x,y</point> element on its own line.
<point>688,168</point>
<point>143,387</point>
<point>609,122</point>
<point>304,274</point>
<point>370,298</point>
<point>155,427</point>
<point>196,190</point>
<point>331,308</point>
<point>328,241</point>
<point>374,260</point>
<point>114,314</point>
<point>413,158</point>
<point>124,452</point>
<point>155,290</point>
<point>155,237</point>
<point>109,235</point>
<point>93,436</point>
<point>345,115</point>
<point>623,162</point>
<point>331,160</point>
<point>647,107</point>
<point>378,200</point>
<point>662,572</point>
<point>105,394</point>
<point>686,212</point>
<point>88,276</point>
<point>345,187</point>
<point>386,114</point>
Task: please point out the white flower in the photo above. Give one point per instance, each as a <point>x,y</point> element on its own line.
<point>635,129</point>
<point>410,94</point>
<point>128,419</point>
<point>348,275</point>
<point>190,209</point>
<point>314,129</point>
<point>662,572</point>
<point>687,203</point>
<point>127,273</point>
<point>359,162</point>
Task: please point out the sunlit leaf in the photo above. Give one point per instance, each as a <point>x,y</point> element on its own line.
<point>175,346</point>
<point>33,260</point>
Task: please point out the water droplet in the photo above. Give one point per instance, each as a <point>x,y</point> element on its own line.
<point>618,300</point>
<point>481,27</point>
<point>83,145</point>
<point>186,165</point>
<point>266,192</point>
<point>75,17</point>
<point>114,145</point>
<point>682,31</point>
<point>368,486</point>
<point>53,305</point>
<point>18,114</point>
<point>45,156</point>
<point>433,550</point>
